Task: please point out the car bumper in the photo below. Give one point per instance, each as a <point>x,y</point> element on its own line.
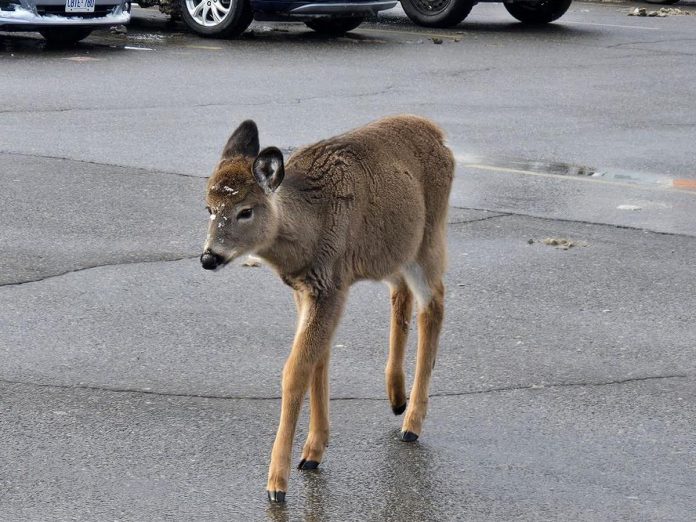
<point>30,15</point>
<point>342,8</point>
<point>319,8</point>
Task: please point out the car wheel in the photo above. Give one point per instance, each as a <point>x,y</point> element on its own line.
<point>217,18</point>
<point>537,13</point>
<point>335,26</point>
<point>65,35</point>
<point>437,13</point>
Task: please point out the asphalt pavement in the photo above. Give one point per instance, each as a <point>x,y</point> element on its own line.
<point>136,386</point>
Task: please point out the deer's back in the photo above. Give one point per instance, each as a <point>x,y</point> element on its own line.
<point>379,190</point>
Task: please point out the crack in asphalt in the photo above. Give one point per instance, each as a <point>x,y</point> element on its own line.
<point>162,259</point>
<point>579,221</point>
<point>542,386</point>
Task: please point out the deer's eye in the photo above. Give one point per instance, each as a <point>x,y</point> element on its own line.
<point>208,209</point>
<point>244,214</point>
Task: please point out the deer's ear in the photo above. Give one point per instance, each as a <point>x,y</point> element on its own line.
<point>269,169</point>
<point>243,142</point>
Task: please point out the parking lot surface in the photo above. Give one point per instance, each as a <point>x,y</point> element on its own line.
<point>136,386</point>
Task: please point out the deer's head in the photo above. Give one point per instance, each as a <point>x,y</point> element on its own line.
<point>240,198</point>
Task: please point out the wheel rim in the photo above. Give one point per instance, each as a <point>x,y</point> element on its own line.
<point>209,13</point>
<point>431,7</point>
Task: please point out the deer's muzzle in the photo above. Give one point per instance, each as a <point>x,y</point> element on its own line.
<point>211,261</point>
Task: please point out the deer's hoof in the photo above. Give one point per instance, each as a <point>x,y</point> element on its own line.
<point>307,464</point>
<point>398,410</point>
<point>276,496</point>
<point>408,436</point>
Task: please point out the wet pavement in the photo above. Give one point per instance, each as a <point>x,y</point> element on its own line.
<point>136,386</point>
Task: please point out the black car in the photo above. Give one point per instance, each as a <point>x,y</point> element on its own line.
<point>447,13</point>
<point>229,18</point>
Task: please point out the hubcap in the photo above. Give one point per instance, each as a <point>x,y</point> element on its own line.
<point>209,13</point>
<point>431,6</point>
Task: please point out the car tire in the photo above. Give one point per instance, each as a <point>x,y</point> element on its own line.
<point>217,18</point>
<point>538,13</point>
<point>437,13</point>
<point>61,36</point>
<point>335,26</point>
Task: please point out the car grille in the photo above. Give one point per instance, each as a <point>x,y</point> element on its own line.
<point>59,10</point>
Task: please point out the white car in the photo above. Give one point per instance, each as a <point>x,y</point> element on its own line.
<point>62,21</point>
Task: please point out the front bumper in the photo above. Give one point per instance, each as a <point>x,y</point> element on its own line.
<point>30,15</point>
<point>288,10</point>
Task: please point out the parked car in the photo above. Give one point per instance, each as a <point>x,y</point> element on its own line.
<point>62,21</point>
<point>448,13</point>
<point>230,18</point>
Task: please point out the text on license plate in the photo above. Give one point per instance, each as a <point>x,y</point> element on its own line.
<point>79,6</point>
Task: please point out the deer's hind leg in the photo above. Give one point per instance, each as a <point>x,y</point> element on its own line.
<point>401,310</point>
<point>429,291</point>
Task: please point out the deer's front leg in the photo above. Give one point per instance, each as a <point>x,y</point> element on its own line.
<point>318,436</point>
<point>318,320</point>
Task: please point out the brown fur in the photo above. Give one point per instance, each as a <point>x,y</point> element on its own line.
<point>368,204</point>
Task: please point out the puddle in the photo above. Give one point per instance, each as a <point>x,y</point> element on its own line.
<point>546,168</point>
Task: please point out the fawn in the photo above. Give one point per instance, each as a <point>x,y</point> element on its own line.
<point>368,204</point>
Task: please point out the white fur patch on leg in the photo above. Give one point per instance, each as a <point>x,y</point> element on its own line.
<point>415,278</point>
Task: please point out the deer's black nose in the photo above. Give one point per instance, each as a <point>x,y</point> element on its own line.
<point>210,261</point>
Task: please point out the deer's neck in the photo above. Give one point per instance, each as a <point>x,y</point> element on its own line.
<point>292,249</point>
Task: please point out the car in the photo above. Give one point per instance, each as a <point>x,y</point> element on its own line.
<point>448,13</point>
<point>230,18</point>
<point>62,21</point>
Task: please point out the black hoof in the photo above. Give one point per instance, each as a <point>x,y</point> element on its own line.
<point>398,410</point>
<point>276,496</point>
<point>308,464</point>
<point>408,436</point>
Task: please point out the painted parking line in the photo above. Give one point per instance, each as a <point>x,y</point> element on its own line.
<point>637,27</point>
<point>204,47</point>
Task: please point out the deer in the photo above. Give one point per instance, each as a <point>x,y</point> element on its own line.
<point>369,204</point>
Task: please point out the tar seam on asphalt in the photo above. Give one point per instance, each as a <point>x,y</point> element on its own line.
<point>579,221</point>
<point>454,223</point>
<point>83,268</point>
<point>278,397</point>
<point>134,170</point>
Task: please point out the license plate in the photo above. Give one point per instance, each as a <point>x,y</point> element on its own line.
<point>79,6</point>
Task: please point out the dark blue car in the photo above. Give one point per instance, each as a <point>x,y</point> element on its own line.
<point>229,18</point>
